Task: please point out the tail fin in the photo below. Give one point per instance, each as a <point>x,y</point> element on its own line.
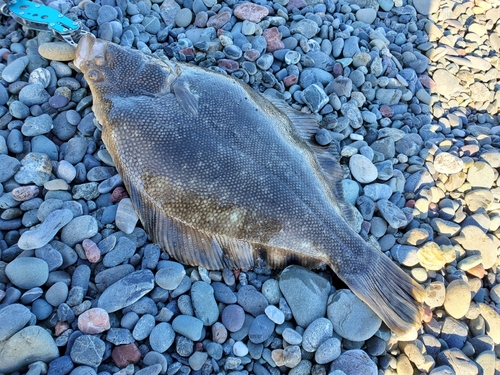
<point>390,293</point>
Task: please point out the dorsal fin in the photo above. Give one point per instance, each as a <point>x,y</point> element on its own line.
<point>307,127</point>
<point>305,123</point>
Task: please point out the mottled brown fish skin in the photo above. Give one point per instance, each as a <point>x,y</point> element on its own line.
<point>220,176</point>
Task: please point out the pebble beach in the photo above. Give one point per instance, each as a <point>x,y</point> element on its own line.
<point>406,90</point>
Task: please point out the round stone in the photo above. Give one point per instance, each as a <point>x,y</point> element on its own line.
<point>352,318</point>
<point>448,163</point>
<point>27,272</point>
<point>94,321</point>
<point>362,169</point>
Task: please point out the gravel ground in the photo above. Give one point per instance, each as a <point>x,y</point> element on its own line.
<point>408,91</point>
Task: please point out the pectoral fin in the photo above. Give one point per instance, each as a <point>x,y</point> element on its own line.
<point>186,98</point>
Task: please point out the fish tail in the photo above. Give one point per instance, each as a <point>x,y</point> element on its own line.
<point>393,295</point>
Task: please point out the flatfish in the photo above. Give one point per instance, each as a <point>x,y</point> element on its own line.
<point>221,176</point>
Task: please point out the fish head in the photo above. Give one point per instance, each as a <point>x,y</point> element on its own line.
<point>113,72</point>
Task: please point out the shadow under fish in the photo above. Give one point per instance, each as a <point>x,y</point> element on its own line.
<point>221,176</point>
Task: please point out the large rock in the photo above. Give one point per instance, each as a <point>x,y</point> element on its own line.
<point>29,345</point>
<point>305,292</point>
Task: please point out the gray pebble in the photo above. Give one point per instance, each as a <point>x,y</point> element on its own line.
<point>33,94</point>
<point>13,71</point>
<point>35,168</point>
<point>143,327</point>
<point>29,345</point>
<point>305,292</point>
<point>19,110</point>
<point>204,304</point>
<point>37,125</point>
<point>169,274</point>
<point>126,291</point>
<point>44,233</point>
<point>357,359</point>
<point>12,319</point>
<point>88,350</point>
<point>233,317</point>
<point>122,252</point>
<point>351,318</point>
<point>15,141</point>
<point>27,272</point>
<point>162,337</point>
<point>251,300</point>
<point>126,218</point>
<point>316,333</point>
<point>328,351</point>
<point>260,329</point>
<point>79,229</point>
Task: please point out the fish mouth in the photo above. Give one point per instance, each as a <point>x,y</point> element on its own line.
<point>88,48</point>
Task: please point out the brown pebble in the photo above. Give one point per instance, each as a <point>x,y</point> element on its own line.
<point>427,82</point>
<point>299,4</point>
<point>124,355</point>
<point>427,316</point>
<point>60,328</point>
<point>93,321</point>
<point>290,80</point>
<point>58,51</point>
<point>228,65</point>
<point>273,40</point>
<point>25,193</point>
<point>219,20</point>
<point>386,111</point>
<point>219,333</point>
<point>337,69</point>
<point>92,251</point>
<point>251,54</point>
<point>189,52</point>
<point>118,194</point>
<point>477,271</point>
<point>251,12</point>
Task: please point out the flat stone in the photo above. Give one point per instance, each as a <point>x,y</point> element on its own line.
<point>448,163</point>
<point>458,297</point>
<point>353,362</point>
<point>431,257</point>
<point>362,169</point>
<point>188,326</point>
<point>126,291</point>
<point>12,319</point>
<point>170,274</point>
<point>57,51</point>
<point>29,345</point>
<point>162,337</point>
<point>78,229</point>
<point>204,304</point>
<point>473,238</point>
<point>305,292</point>
<point>87,350</point>
<point>492,319</point>
<point>27,272</point>
<point>45,232</point>
<point>126,217</point>
<point>447,84</point>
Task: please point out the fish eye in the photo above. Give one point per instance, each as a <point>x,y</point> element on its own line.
<point>99,60</point>
<point>95,76</point>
